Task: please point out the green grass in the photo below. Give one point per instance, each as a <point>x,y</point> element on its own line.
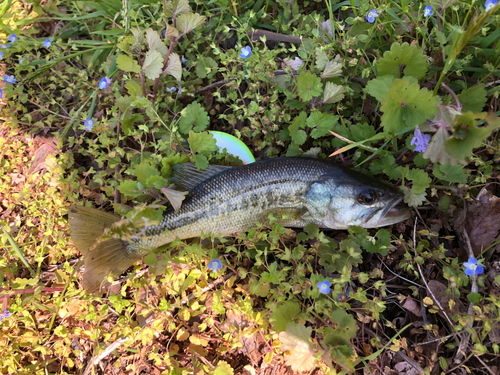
<point>397,289</point>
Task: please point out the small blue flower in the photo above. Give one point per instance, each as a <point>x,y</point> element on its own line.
<point>246,52</point>
<point>12,38</point>
<point>88,124</point>
<point>21,60</point>
<point>371,15</point>
<point>421,140</point>
<point>184,61</point>
<point>489,4</point>
<point>163,32</point>
<point>47,43</point>
<point>472,268</point>
<point>6,314</point>
<point>324,287</point>
<point>215,265</point>
<point>9,79</point>
<point>171,89</point>
<point>4,45</point>
<point>428,11</point>
<point>1,93</point>
<point>104,82</point>
<point>1,55</point>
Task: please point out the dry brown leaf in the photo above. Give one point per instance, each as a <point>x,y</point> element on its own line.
<point>47,148</point>
<point>412,306</point>
<point>175,197</point>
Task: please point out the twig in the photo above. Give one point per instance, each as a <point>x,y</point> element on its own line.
<point>104,354</point>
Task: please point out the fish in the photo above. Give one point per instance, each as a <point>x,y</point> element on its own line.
<point>225,200</point>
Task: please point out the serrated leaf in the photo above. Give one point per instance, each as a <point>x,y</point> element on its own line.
<point>380,245</point>
<point>153,64</point>
<point>171,32</point>
<point>345,322</point>
<point>420,178</point>
<point>129,188</point>
<point>174,66</point>
<point>296,340</point>
<point>360,132</point>
<point>157,181</point>
<point>202,143</point>
<point>201,161</point>
<point>321,123</point>
<point>308,86</point>
<point>283,315</point>
<point>126,44</point>
<point>223,368</point>
<point>333,93</point>
<point>321,58</point>
<point>435,149</point>
<point>411,57</point>
<point>126,64</point>
<point>473,99</point>
<point>138,38</point>
<point>124,103</point>
<point>193,117</point>
<point>206,67</point>
<point>176,7</point>
<point>451,173</point>
<point>189,21</point>
<point>380,86</point>
<point>155,43</point>
<point>133,88</point>
<point>340,348</point>
<point>143,171</point>
<point>298,135</point>
<point>332,69</point>
<point>413,200</point>
<point>406,105</point>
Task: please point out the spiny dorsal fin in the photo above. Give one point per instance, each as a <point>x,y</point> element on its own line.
<point>187,176</point>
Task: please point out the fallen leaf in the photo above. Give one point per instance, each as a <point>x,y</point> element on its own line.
<point>175,197</point>
<point>412,306</point>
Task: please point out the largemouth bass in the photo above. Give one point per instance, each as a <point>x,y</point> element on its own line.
<point>227,200</point>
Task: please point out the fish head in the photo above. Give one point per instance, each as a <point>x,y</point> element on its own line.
<point>351,198</point>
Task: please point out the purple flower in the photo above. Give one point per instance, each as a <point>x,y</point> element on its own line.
<point>371,15</point>
<point>47,43</point>
<point>12,38</point>
<point>1,55</point>
<point>4,45</point>
<point>184,61</point>
<point>215,265</point>
<point>472,268</point>
<point>246,52</point>
<point>163,32</point>
<point>6,314</point>
<point>1,93</point>
<point>88,124</point>
<point>420,140</point>
<point>21,60</point>
<point>171,89</point>
<point>104,82</point>
<point>9,79</point>
<point>324,287</point>
<point>428,11</point>
<point>489,4</point>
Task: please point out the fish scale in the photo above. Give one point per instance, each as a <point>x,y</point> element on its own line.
<point>228,200</point>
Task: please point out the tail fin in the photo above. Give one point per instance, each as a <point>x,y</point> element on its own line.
<point>101,257</point>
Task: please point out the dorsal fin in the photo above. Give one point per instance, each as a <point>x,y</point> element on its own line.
<point>186,176</point>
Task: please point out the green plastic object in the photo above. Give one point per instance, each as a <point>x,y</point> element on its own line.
<point>233,146</point>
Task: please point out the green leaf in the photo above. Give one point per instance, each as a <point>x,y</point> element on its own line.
<point>206,67</point>
<point>133,88</point>
<point>360,132</point>
<point>283,315</point>
<point>321,123</point>
<point>420,178</point>
<point>296,340</point>
<point>126,64</point>
<point>155,43</point>
<point>128,122</point>
<point>174,66</point>
<point>379,87</point>
<point>143,171</point>
<point>138,38</point>
<point>222,368</point>
<point>308,86</point>
<point>201,161</point>
<point>332,69</point>
<point>451,173</point>
<point>176,7</point>
<point>340,348</point>
<point>202,145</point>
<point>124,103</point>
<point>413,200</point>
<point>411,57</point>
<point>474,297</point>
<point>333,93</point>
<point>193,115</point>
<point>298,135</point>
<point>321,58</point>
<point>435,149</point>
<point>189,21</point>
<point>473,99</point>
<point>153,64</point>
<point>379,244</point>
<point>346,324</point>
<point>129,188</point>
<point>406,105</point>
<point>157,181</point>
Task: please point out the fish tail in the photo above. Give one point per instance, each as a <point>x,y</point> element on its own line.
<point>101,256</point>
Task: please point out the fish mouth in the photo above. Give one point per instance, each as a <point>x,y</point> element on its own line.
<point>392,213</point>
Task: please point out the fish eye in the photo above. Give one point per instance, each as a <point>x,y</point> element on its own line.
<point>368,197</point>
